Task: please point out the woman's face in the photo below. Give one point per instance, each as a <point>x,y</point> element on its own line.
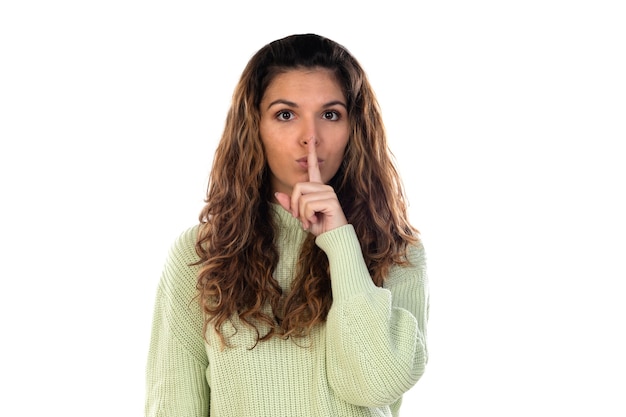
<point>301,106</point>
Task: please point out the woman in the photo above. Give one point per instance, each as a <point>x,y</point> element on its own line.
<point>302,292</point>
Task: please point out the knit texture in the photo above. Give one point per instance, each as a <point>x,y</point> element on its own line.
<point>370,351</point>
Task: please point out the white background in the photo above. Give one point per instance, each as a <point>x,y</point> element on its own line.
<point>507,120</point>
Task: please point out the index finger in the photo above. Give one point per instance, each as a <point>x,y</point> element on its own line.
<point>311,161</point>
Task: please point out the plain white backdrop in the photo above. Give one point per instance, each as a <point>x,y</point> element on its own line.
<point>507,120</point>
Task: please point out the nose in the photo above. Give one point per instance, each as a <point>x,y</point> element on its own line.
<point>309,133</point>
<point>306,141</point>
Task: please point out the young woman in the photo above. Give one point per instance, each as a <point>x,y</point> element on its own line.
<point>302,291</point>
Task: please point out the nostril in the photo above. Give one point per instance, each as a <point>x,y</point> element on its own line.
<point>306,141</point>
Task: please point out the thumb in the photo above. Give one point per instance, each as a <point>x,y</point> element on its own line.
<point>284,200</point>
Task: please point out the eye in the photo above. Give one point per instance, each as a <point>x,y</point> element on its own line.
<point>284,115</point>
<point>331,115</point>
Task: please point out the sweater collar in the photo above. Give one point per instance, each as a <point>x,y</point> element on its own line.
<point>289,228</point>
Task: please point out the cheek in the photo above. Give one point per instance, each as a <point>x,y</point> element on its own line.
<point>274,142</point>
<point>270,156</point>
<point>335,162</point>
<point>275,157</point>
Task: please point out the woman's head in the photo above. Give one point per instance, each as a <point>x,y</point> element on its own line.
<point>241,155</point>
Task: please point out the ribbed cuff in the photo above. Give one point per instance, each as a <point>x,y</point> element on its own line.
<point>348,272</point>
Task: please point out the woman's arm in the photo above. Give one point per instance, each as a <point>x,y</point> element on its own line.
<point>176,370</point>
<point>376,337</point>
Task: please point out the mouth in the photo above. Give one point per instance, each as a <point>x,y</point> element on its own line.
<point>303,162</point>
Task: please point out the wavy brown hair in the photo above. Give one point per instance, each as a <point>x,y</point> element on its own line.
<point>236,245</point>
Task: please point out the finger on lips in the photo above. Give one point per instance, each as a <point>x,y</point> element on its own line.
<point>314,169</point>
<point>298,202</point>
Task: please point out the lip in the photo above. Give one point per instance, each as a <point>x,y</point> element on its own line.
<point>303,162</point>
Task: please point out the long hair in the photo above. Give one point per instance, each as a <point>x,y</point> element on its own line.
<point>236,247</point>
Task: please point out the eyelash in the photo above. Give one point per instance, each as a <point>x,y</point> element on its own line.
<point>281,113</point>
<point>335,113</point>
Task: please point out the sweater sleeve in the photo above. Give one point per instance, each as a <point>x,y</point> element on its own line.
<point>176,384</point>
<point>376,337</point>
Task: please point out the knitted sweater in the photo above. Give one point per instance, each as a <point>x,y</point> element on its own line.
<point>368,353</point>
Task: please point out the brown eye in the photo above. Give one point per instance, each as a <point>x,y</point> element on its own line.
<point>284,115</point>
<point>331,115</point>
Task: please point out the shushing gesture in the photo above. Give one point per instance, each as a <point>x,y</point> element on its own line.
<point>314,203</point>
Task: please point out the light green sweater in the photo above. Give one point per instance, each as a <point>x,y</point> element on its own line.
<point>370,351</point>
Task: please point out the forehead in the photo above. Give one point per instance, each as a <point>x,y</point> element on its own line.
<point>304,81</point>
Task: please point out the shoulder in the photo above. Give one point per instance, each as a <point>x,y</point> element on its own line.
<point>414,269</point>
<point>179,270</point>
<point>184,246</point>
<point>416,255</point>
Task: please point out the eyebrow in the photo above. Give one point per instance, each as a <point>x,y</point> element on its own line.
<point>292,104</point>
